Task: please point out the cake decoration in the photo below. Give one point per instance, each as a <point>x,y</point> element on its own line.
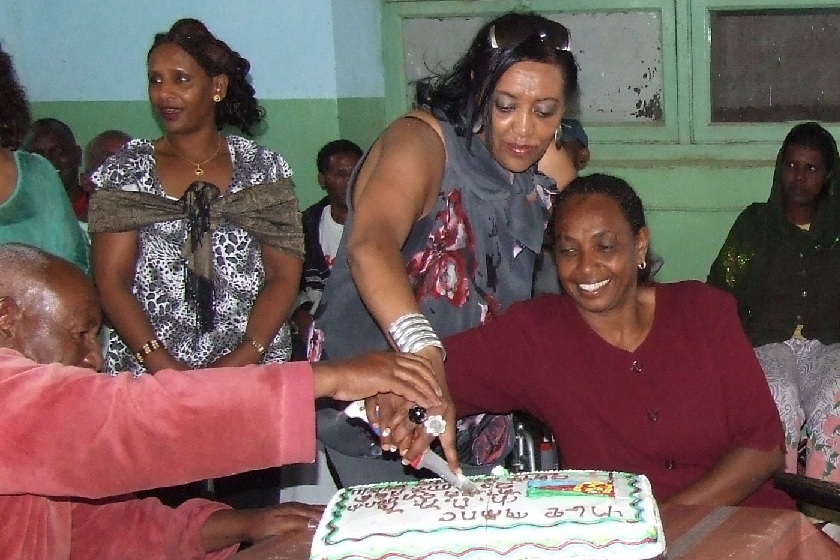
<point>548,514</point>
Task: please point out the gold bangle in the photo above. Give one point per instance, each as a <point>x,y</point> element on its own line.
<point>147,349</point>
<point>260,348</point>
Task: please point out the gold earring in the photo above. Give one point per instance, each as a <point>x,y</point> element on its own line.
<point>217,98</point>
<point>642,265</point>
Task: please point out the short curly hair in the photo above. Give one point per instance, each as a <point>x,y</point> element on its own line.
<point>322,160</point>
<point>239,108</point>
<point>14,108</point>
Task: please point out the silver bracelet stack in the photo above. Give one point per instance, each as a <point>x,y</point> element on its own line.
<point>412,332</point>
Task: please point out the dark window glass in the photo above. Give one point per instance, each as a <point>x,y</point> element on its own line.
<point>775,65</point>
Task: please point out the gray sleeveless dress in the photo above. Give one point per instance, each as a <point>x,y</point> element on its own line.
<point>468,260</point>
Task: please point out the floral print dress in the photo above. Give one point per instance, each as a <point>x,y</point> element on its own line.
<point>468,260</point>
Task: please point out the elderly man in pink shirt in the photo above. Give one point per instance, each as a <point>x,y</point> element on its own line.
<point>73,439</point>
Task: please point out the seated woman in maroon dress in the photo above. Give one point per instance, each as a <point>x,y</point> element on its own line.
<point>630,375</point>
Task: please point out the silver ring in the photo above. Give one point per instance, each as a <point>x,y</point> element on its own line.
<point>435,425</point>
<point>311,524</point>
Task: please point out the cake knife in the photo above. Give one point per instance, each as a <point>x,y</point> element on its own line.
<point>428,460</point>
<point>438,465</point>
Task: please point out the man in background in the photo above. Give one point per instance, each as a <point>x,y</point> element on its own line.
<point>75,442</point>
<point>104,145</point>
<point>323,225</point>
<point>575,141</point>
<point>54,140</point>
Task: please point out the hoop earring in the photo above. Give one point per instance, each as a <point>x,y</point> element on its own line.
<point>217,98</point>
<point>557,136</point>
<point>478,126</point>
<point>642,265</point>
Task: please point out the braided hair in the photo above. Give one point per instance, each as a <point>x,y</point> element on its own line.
<point>619,190</point>
<point>239,108</point>
<point>330,149</point>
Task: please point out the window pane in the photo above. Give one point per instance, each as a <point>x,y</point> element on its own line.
<point>775,65</point>
<point>622,84</point>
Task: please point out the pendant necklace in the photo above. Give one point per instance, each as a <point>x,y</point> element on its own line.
<point>198,170</point>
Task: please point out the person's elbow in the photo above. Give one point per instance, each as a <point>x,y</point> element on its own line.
<point>766,464</point>
<point>778,465</point>
<point>362,250</point>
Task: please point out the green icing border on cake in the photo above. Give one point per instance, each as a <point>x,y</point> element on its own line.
<point>340,509</point>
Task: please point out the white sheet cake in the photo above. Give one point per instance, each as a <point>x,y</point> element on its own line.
<point>592,515</point>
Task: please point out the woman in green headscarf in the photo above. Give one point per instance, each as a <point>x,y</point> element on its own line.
<point>781,260</point>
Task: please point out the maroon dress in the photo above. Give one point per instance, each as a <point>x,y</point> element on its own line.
<point>689,394</point>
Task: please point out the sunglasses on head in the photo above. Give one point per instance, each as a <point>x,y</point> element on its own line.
<point>553,34</point>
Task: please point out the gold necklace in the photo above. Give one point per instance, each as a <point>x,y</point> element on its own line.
<point>198,170</point>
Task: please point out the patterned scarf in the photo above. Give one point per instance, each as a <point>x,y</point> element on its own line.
<point>268,211</point>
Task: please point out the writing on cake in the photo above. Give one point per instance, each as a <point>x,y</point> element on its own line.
<point>554,514</point>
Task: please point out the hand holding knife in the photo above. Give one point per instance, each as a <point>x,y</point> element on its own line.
<point>435,425</point>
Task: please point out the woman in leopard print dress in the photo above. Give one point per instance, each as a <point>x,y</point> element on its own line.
<point>197,85</point>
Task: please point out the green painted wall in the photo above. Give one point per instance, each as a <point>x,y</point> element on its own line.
<point>690,208</point>
<point>296,128</point>
<point>361,119</point>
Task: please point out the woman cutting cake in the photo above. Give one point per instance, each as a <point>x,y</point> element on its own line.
<point>630,375</point>
<point>447,213</point>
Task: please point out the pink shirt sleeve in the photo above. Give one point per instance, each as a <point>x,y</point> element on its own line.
<point>142,528</point>
<point>73,432</point>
